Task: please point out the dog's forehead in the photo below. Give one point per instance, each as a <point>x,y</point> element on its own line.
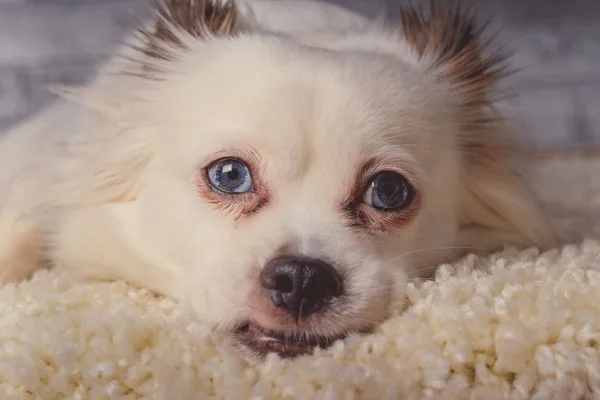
<point>289,103</point>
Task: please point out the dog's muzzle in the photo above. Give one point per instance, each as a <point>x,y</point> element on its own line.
<point>294,294</point>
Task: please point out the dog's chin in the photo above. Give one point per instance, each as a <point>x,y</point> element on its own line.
<point>261,341</point>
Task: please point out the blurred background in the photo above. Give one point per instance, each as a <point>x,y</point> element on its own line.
<point>556,45</point>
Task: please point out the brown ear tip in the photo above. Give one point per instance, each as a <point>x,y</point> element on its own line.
<point>175,19</point>
<point>459,47</point>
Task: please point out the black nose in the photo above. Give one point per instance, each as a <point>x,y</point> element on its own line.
<point>300,285</point>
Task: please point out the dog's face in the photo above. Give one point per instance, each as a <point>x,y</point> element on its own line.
<point>297,188</point>
<point>334,166</point>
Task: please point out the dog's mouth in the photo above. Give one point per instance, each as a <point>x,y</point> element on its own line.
<point>287,345</point>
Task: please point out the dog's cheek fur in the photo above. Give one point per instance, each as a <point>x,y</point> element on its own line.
<point>175,227</point>
<point>167,240</point>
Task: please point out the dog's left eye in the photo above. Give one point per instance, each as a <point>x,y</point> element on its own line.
<point>230,176</point>
<point>389,191</point>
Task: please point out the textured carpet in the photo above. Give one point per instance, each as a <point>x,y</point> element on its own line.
<point>515,325</point>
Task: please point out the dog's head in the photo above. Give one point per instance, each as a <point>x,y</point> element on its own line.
<point>296,186</point>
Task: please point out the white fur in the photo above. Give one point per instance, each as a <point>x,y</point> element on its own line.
<point>103,182</point>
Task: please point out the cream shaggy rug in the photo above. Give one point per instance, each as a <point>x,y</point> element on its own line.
<point>516,325</point>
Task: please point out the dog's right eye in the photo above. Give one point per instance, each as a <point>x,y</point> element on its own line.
<point>389,191</point>
<point>230,175</point>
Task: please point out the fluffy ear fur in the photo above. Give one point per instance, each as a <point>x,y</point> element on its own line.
<point>178,20</point>
<point>496,205</point>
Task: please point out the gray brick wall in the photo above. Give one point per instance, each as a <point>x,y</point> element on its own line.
<point>557,47</point>
<point>556,94</point>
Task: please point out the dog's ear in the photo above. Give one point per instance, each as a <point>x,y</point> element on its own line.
<point>179,21</point>
<point>449,41</point>
<point>496,206</point>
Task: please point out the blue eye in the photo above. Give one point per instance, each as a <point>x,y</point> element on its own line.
<point>389,191</point>
<point>230,176</point>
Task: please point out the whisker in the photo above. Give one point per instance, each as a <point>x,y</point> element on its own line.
<point>438,248</point>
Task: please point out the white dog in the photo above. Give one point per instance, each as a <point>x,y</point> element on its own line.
<point>282,166</point>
